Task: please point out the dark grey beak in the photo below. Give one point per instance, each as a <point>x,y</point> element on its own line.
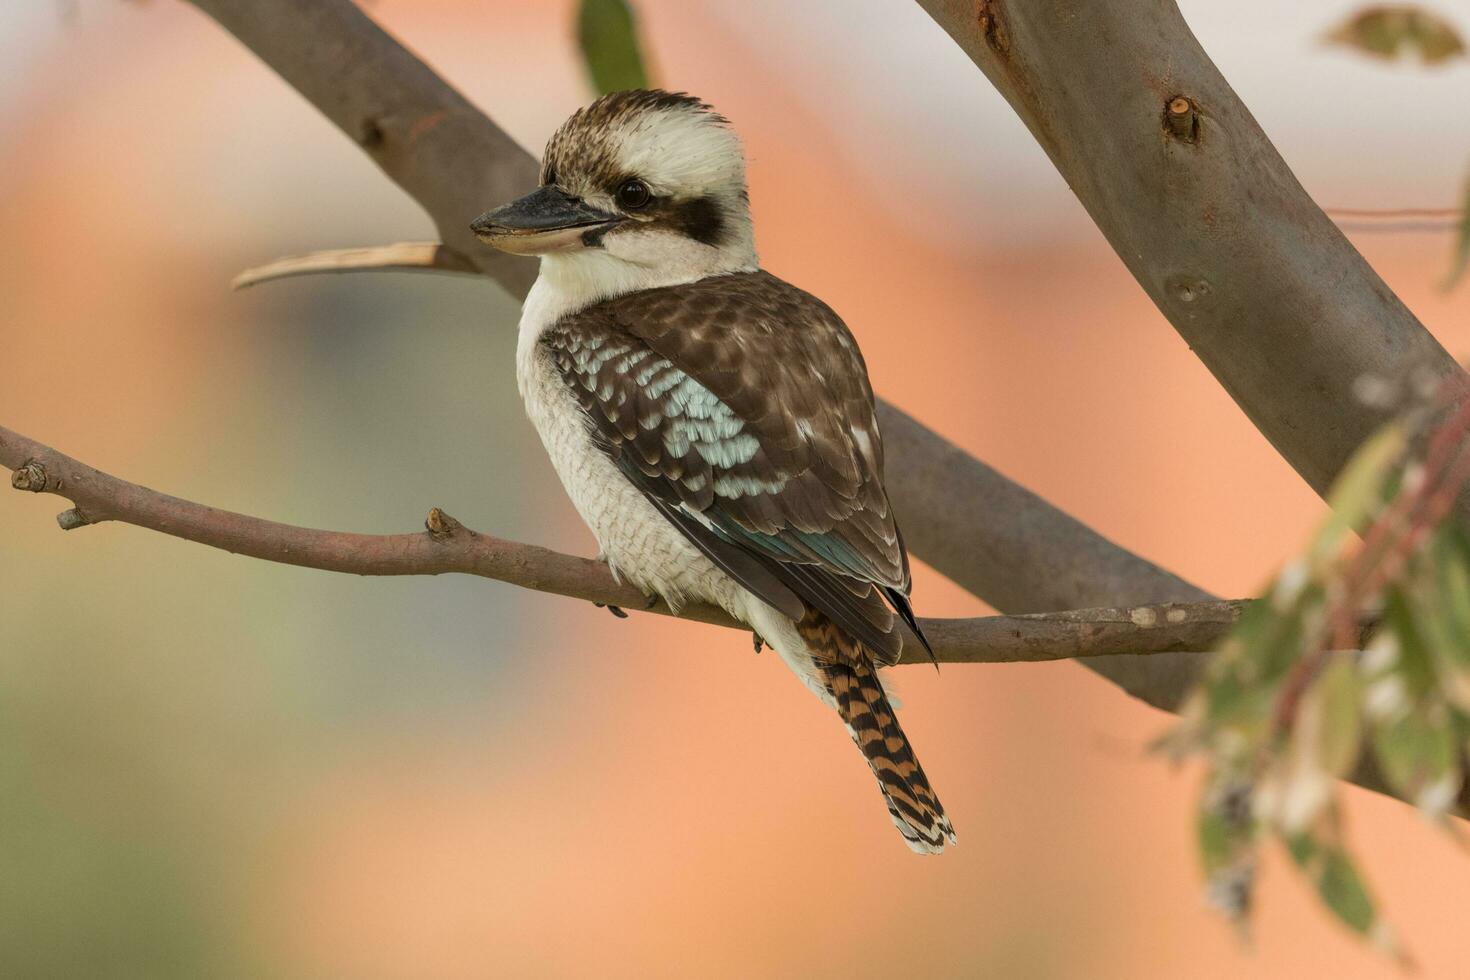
<point>545,220</point>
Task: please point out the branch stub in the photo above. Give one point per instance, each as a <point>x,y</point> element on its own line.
<point>440,525</point>
<point>1181,119</point>
<point>70,520</point>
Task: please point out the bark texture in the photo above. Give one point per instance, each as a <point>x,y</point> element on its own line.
<point>1204,212</point>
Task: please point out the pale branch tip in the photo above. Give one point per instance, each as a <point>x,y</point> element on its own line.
<point>448,546</point>
<point>400,256</point>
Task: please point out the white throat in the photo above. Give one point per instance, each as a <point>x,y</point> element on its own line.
<point>572,281</point>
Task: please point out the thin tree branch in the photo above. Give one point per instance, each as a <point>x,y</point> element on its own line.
<point>399,257</point>
<point>987,533</point>
<point>1204,212</point>
<point>1113,636</point>
<point>448,546</point>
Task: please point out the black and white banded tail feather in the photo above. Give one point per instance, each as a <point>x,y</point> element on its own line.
<point>865,710</point>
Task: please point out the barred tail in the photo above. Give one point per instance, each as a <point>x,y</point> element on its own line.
<point>864,707</point>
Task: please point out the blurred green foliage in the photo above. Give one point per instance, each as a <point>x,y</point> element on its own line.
<point>1398,31</point>
<point>169,713</point>
<point>1287,708</point>
<point>607,33</point>
<point>1462,241</point>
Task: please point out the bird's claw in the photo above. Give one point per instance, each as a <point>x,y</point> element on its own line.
<point>757,642</point>
<point>615,610</point>
<point>618,610</point>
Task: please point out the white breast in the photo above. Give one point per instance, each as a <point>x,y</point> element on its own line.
<point>638,542</point>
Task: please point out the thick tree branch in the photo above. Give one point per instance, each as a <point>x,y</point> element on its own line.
<point>1204,212</point>
<point>987,533</point>
<point>447,546</point>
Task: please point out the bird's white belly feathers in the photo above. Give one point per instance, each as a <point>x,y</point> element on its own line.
<point>638,542</point>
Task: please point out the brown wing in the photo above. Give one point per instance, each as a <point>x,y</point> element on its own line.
<point>741,405</point>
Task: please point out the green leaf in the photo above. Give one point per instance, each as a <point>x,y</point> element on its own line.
<point>1391,32</point>
<point>1462,242</point>
<point>608,37</point>
<point>1440,592</point>
<point>1420,758</point>
<point>1297,773</point>
<point>1414,667</point>
<point>1359,491</point>
<point>1227,835</point>
<point>1239,689</point>
<point>1336,698</point>
<point>1415,733</point>
<point>1342,888</point>
<point>1322,859</point>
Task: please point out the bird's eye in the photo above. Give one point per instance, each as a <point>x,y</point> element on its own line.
<point>633,194</point>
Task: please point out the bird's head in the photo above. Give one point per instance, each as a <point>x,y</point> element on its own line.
<point>651,178</point>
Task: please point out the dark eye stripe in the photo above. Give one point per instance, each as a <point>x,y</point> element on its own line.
<point>702,219</point>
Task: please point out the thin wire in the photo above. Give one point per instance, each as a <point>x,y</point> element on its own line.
<point>1393,212</point>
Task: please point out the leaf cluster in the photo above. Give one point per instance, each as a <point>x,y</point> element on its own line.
<point>1359,652</point>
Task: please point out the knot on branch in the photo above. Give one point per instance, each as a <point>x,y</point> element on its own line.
<point>441,526</point>
<point>1164,614</point>
<point>992,26</point>
<point>31,476</point>
<point>1180,119</point>
<point>370,135</point>
<point>1187,287</point>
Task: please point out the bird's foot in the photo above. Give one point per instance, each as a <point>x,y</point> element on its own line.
<point>619,612</point>
<point>615,610</point>
<point>757,642</point>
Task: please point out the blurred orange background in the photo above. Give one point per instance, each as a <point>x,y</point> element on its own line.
<point>211,766</point>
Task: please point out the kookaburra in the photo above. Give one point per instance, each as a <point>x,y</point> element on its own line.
<point>713,425</point>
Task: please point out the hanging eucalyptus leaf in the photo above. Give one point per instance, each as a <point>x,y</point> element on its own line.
<point>1335,700</point>
<point>1226,829</point>
<point>1391,32</point>
<point>1462,241</point>
<point>1288,706</point>
<point>607,33</point>
<point>1320,856</point>
<point>1441,598</point>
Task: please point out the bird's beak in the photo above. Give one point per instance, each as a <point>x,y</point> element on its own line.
<point>545,220</point>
